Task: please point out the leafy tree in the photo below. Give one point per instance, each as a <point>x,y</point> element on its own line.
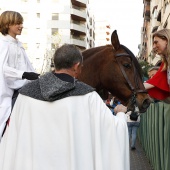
<point>145,66</point>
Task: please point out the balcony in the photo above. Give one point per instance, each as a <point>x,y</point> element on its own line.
<point>80,42</point>
<point>146,12</point>
<point>159,16</point>
<point>80,3</point>
<point>78,15</point>
<point>77,27</point>
<point>147,15</point>
<point>154,29</point>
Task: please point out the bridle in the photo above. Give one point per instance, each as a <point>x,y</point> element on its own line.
<point>135,90</point>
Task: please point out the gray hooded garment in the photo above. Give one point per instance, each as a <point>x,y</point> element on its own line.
<point>50,88</point>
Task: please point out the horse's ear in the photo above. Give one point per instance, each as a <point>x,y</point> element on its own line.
<point>115,40</point>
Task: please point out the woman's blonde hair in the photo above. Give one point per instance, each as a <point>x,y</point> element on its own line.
<point>164,34</point>
<point>8,18</point>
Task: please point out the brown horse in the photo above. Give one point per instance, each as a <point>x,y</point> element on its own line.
<point>114,68</point>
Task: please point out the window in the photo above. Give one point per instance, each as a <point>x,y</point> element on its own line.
<point>91,32</point>
<point>38,45</point>
<point>38,15</point>
<point>55,16</point>
<point>165,4</point>
<point>54,31</point>
<point>37,30</point>
<point>91,21</point>
<point>155,13</point>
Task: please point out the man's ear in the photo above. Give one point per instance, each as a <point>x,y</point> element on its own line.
<point>76,66</point>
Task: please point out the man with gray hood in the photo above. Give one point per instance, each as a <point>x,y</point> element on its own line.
<point>61,123</point>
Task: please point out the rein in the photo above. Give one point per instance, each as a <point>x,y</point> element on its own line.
<point>135,89</point>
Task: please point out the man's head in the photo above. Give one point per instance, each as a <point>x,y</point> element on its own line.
<point>152,71</point>
<point>68,59</point>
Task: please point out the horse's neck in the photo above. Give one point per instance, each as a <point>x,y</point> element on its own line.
<point>90,74</point>
<point>90,79</point>
<point>93,62</point>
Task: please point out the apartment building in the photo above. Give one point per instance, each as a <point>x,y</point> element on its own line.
<point>156,16</point>
<point>51,23</point>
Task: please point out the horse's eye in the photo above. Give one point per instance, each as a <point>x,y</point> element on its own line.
<point>127,65</point>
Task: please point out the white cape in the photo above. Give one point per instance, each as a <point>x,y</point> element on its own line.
<point>74,133</point>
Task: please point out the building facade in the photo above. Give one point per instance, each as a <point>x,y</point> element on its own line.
<point>156,16</point>
<point>51,23</point>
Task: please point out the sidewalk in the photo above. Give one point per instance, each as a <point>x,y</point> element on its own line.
<point>138,160</point>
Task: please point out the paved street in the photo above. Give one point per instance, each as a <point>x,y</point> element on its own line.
<point>138,160</point>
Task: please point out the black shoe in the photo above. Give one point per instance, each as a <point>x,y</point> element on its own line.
<point>133,148</point>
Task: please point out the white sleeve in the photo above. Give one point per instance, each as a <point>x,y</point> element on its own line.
<point>122,116</point>
<point>13,77</point>
<point>15,65</point>
<point>10,72</point>
<point>112,132</point>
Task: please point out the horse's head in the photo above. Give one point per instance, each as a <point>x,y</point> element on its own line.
<point>114,68</point>
<point>130,88</point>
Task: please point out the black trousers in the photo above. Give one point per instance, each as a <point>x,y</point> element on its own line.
<point>14,98</point>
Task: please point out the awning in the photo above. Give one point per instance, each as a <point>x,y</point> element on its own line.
<point>158,63</point>
<point>155,7</point>
<point>159,16</point>
<point>154,29</point>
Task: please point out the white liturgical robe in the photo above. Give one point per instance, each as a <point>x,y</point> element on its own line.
<point>73,133</point>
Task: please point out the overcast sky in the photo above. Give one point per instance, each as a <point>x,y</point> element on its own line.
<point>126,16</point>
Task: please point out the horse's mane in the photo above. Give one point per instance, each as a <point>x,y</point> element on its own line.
<point>91,51</point>
<point>136,63</point>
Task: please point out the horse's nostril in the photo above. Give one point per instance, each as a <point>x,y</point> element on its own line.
<point>146,103</point>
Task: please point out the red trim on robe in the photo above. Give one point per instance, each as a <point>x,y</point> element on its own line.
<point>159,80</point>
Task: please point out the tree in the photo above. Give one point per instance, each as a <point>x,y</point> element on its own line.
<point>55,41</point>
<point>145,66</point>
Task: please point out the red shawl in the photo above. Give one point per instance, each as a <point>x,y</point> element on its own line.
<point>159,80</point>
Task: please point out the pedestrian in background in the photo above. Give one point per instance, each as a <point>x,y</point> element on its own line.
<point>133,126</point>
<point>61,123</point>
<point>15,67</point>
<point>159,85</point>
